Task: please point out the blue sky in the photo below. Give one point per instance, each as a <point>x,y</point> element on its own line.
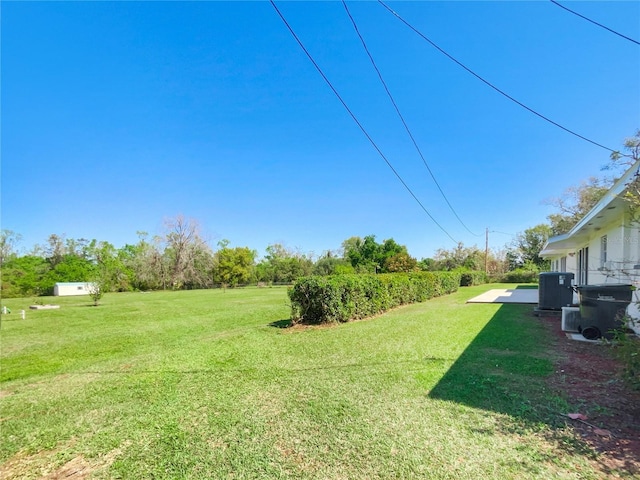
<point>118,115</point>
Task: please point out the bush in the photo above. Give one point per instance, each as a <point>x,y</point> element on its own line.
<point>469,278</point>
<point>340,298</point>
<point>520,275</point>
<point>627,350</point>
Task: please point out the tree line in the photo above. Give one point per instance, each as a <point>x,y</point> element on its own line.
<point>180,258</point>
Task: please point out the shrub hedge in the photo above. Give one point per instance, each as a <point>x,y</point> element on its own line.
<point>470,278</point>
<point>520,275</point>
<point>340,298</point>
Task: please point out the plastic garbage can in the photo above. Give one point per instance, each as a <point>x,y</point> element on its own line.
<point>602,307</point>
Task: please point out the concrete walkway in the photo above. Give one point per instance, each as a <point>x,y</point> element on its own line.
<point>503,295</point>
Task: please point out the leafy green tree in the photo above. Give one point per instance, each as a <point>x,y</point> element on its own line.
<point>331,266</point>
<point>282,265</point>
<point>112,274</point>
<point>68,268</point>
<point>427,265</point>
<point>24,276</point>
<point>233,266</point>
<point>469,258</point>
<point>368,256</point>
<point>526,248</point>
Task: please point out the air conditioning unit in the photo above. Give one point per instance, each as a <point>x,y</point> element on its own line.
<point>571,319</point>
<point>554,290</point>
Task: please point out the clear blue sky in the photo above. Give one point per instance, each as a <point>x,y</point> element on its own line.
<point>118,115</point>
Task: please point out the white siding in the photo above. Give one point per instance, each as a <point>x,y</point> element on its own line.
<point>71,288</point>
<point>620,258</point>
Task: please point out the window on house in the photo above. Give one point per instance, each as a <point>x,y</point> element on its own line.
<point>603,251</point>
<point>563,264</point>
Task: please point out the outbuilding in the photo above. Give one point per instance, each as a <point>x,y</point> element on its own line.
<point>67,289</point>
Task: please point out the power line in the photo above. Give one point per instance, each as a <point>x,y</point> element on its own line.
<point>415,144</point>
<point>355,119</point>
<point>503,233</point>
<point>486,82</point>
<point>595,23</point>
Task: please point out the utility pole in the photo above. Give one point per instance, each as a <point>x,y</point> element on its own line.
<point>486,252</point>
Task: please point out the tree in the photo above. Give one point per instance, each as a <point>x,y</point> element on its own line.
<point>8,241</point>
<point>527,246</point>
<point>497,262</point>
<point>24,276</point>
<point>471,258</point>
<point>55,249</point>
<point>631,147</point>
<point>368,256</point>
<point>575,203</point>
<point>361,253</point>
<point>185,251</point>
<point>400,262</point>
<point>233,266</point>
<point>96,290</point>
<point>427,265</point>
<point>112,274</point>
<point>330,265</point>
<point>632,193</point>
<point>145,263</point>
<point>283,265</point>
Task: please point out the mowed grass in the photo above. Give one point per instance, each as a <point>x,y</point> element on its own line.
<point>204,384</point>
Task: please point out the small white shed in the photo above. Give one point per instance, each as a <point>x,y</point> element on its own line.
<point>66,289</point>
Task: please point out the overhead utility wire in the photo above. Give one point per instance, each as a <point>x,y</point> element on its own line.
<point>406,127</point>
<point>503,233</point>
<point>490,84</point>
<point>595,23</point>
<point>355,119</point>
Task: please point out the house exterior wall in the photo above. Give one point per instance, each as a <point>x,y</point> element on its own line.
<point>616,265</point>
<point>564,263</point>
<point>622,263</point>
<point>622,254</point>
<point>610,218</point>
<point>68,289</point>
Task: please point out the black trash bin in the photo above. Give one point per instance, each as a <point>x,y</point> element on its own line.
<point>602,308</point>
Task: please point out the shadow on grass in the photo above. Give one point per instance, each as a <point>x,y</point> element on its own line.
<point>504,369</point>
<point>281,323</point>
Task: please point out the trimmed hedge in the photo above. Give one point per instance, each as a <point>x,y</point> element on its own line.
<point>470,278</point>
<point>340,298</point>
<point>520,275</point>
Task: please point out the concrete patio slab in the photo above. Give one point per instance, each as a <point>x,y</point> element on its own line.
<point>504,295</point>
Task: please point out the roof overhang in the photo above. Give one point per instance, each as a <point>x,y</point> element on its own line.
<point>611,206</point>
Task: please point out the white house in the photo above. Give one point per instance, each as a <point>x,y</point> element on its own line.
<point>66,289</point>
<point>604,246</point>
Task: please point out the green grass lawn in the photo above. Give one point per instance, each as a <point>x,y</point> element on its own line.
<point>203,384</point>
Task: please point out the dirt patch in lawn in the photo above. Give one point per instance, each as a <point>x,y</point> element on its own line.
<point>590,377</point>
<point>45,465</point>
